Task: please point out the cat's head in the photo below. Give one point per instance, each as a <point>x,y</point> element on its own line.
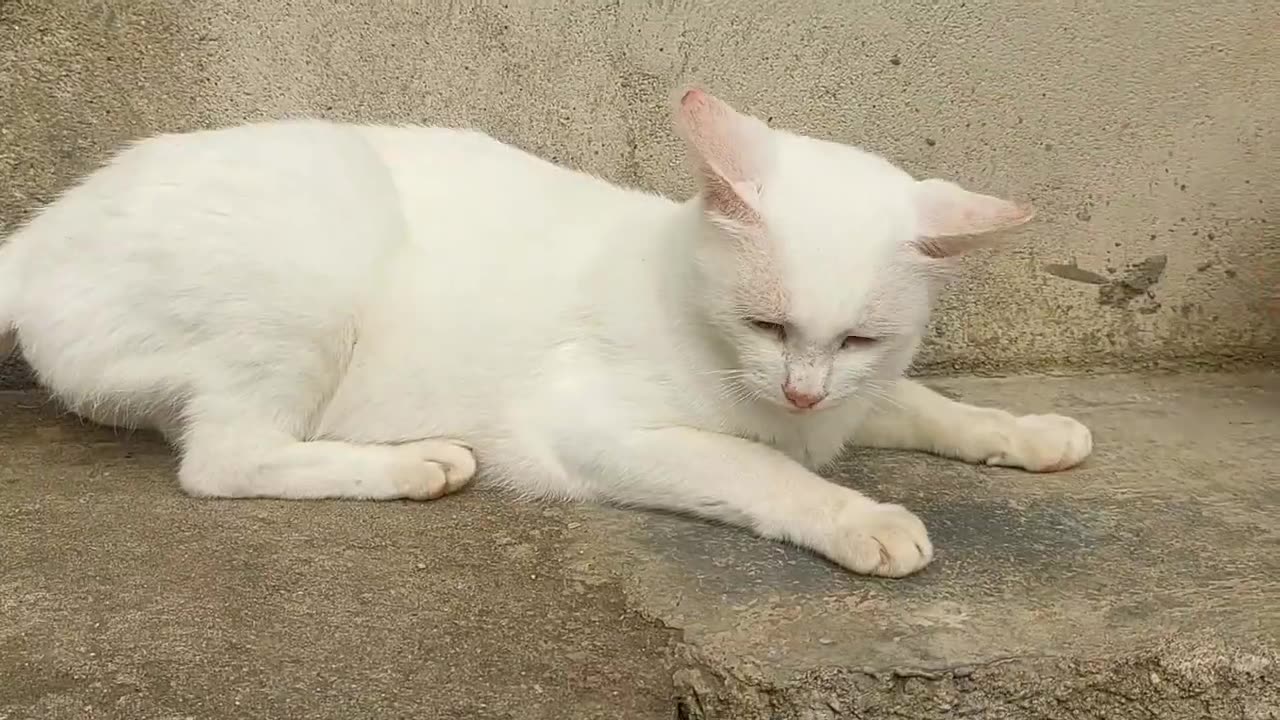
<point>818,263</point>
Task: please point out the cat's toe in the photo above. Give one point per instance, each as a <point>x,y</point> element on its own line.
<point>1048,443</point>
<point>435,468</point>
<point>459,462</point>
<point>882,539</point>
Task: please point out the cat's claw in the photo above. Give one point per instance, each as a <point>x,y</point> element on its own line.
<point>434,468</point>
<point>881,539</point>
<point>1045,443</point>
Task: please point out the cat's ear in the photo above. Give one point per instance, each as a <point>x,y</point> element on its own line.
<point>729,151</point>
<point>952,220</point>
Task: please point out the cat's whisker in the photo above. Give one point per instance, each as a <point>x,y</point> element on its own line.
<point>736,373</point>
<point>739,394</point>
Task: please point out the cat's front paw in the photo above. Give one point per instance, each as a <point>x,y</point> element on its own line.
<point>1045,443</point>
<point>881,539</point>
<point>430,469</point>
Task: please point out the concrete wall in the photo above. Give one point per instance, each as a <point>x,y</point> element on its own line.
<point>1146,131</point>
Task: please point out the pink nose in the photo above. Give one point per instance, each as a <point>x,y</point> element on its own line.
<point>802,400</point>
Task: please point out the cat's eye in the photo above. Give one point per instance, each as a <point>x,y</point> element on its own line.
<point>857,341</point>
<point>777,330</point>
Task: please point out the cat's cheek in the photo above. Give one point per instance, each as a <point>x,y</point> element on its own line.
<point>767,365</point>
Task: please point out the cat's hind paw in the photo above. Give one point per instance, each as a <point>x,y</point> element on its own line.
<point>881,539</point>
<point>1045,443</point>
<point>430,469</point>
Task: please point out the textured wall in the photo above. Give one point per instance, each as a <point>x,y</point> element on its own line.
<point>1146,131</point>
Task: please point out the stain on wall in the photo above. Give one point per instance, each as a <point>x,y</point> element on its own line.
<point>1119,290</point>
<point>1138,280</point>
<point>1075,273</point>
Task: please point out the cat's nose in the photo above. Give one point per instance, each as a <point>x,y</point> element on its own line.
<point>802,400</point>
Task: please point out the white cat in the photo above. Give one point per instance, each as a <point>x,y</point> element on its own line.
<point>317,310</point>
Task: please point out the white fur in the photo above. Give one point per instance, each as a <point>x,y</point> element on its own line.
<point>309,310</point>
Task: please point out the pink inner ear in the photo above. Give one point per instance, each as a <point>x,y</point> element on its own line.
<point>945,209</point>
<point>950,217</point>
<point>728,146</point>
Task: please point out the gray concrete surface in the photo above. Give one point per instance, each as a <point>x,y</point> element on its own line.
<point>1145,131</point>
<point>1143,584</point>
<point>122,599</point>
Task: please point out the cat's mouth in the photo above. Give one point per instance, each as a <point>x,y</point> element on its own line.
<point>815,408</point>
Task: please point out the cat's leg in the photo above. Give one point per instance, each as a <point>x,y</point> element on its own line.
<point>913,417</point>
<point>729,479</point>
<point>235,452</point>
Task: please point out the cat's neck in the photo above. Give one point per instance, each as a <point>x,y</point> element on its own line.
<point>643,291</point>
<point>677,283</point>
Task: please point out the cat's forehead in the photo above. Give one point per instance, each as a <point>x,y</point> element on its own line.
<point>836,200</point>
<point>827,299</point>
<point>839,221</point>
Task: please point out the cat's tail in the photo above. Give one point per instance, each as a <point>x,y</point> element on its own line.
<point>8,300</point>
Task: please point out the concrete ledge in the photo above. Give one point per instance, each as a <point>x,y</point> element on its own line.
<point>1177,680</point>
<point>1142,585</point>
<point>15,374</point>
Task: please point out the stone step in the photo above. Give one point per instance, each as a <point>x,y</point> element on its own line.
<point>1144,584</point>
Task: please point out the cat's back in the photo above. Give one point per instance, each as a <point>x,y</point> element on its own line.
<point>503,237</point>
<point>216,183</point>
<point>465,182</point>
